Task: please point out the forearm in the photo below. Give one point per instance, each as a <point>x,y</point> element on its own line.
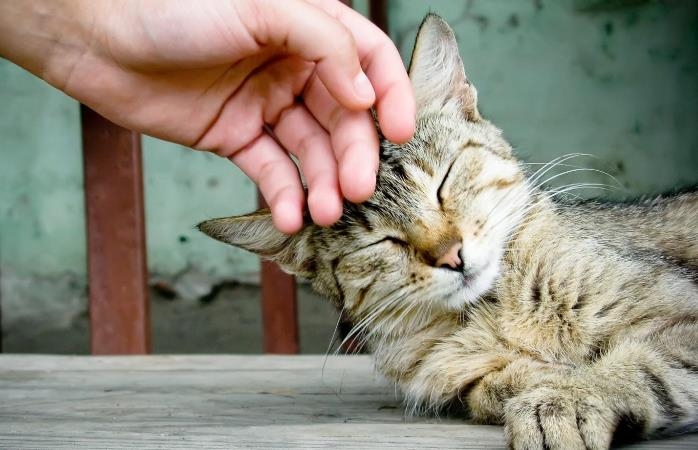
<point>46,37</point>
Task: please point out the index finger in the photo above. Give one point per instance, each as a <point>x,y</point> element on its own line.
<point>381,61</point>
<point>308,31</point>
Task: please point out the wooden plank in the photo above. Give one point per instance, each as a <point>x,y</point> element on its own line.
<point>222,401</point>
<point>279,307</point>
<point>117,269</point>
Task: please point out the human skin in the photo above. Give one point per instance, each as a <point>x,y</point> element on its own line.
<point>254,81</point>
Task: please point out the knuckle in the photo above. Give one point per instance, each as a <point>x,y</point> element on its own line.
<point>335,117</point>
<point>269,175</point>
<point>345,40</point>
<point>225,152</point>
<point>310,141</point>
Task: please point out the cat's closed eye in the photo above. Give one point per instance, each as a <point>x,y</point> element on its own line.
<point>440,191</point>
<point>390,240</point>
<point>396,241</point>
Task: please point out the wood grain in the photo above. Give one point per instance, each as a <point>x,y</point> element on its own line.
<point>272,402</point>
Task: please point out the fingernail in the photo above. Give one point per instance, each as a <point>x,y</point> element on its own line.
<point>363,87</point>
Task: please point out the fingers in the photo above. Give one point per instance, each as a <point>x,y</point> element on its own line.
<point>237,135</point>
<point>309,32</point>
<point>269,166</point>
<point>395,105</point>
<point>299,132</point>
<point>354,141</point>
<point>395,102</point>
<point>268,98</point>
<point>344,156</point>
<point>341,41</point>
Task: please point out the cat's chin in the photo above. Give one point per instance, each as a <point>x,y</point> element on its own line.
<point>472,289</point>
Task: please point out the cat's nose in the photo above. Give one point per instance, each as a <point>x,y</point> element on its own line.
<point>452,258</point>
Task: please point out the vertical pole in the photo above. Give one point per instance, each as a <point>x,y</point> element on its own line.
<point>116,254</point>
<point>379,14</point>
<point>279,307</point>
<point>1,335</point>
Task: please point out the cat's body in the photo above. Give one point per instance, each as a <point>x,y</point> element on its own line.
<point>473,286</point>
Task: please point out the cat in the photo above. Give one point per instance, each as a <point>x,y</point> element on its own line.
<point>475,288</point>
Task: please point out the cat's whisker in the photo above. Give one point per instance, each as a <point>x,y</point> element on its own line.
<point>369,318</point>
<point>528,163</point>
<point>533,179</point>
<point>396,316</point>
<point>407,310</point>
<point>519,215</point>
<point>329,347</point>
<point>520,194</point>
<point>558,160</point>
<point>527,218</point>
<point>550,194</point>
<point>578,186</point>
<point>602,172</point>
<point>561,174</point>
<point>505,221</point>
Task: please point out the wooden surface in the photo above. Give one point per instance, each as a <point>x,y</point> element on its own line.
<point>220,402</point>
<point>116,255</point>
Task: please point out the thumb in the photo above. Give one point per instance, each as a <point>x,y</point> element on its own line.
<point>312,34</point>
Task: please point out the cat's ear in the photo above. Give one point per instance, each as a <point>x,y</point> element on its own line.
<point>436,70</point>
<point>255,232</point>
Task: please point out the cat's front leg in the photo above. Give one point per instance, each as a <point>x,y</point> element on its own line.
<point>645,387</point>
<point>560,417</point>
<point>543,405</point>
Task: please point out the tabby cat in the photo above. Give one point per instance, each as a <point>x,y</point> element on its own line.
<point>475,288</point>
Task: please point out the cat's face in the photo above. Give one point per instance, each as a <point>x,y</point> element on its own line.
<point>446,203</point>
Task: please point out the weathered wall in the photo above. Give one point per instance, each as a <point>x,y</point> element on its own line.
<point>617,83</point>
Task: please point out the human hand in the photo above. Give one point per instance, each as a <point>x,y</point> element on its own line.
<point>251,80</point>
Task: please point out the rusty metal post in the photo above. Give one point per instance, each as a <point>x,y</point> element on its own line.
<point>1,335</point>
<point>378,10</point>
<point>279,307</point>
<point>116,254</point>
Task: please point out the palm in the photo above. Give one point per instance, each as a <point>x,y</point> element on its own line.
<point>177,71</point>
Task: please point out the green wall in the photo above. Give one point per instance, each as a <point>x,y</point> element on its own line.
<point>618,83</point>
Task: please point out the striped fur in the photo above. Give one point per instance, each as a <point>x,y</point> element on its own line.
<point>569,321</point>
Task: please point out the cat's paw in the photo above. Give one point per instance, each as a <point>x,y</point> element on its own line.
<point>558,418</point>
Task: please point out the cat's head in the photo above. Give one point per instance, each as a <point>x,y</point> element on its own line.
<point>433,234</point>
